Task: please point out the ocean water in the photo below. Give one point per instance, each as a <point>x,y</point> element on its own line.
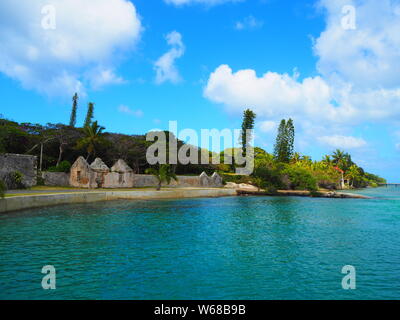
<point>225,248</point>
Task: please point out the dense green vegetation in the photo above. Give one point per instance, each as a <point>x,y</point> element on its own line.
<point>64,166</point>
<point>58,146</point>
<point>288,170</point>
<point>301,173</point>
<point>65,143</point>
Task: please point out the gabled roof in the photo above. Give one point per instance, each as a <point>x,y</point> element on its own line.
<point>99,165</point>
<point>80,163</point>
<point>121,166</point>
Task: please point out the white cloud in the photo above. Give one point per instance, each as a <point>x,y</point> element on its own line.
<point>204,2</point>
<point>274,95</point>
<point>267,126</point>
<point>100,77</point>
<point>367,56</point>
<point>165,66</point>
<point>126,110</point>
<point>81,51</point>
<point>358,80</point>
<point>342,142</point>
<point>249,22</point>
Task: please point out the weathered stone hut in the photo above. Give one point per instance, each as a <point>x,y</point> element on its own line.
<point>121,176</point>
<point>216,180</point>
<point>204,179</point>
<point>82,176</point>
<point>98,175</point>
<point>100,170</point>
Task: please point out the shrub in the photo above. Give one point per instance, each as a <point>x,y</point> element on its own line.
<point>301,179</point>
<point>3,189</point>
<point>40,181</point>
<point>64,166</point>
<point>14,180</point>
<point>259,183</point>
<point>325,180</point>
<point>223,167</point>
<point>235,178</point>
<point>271,177</point>
<point>18,178</point>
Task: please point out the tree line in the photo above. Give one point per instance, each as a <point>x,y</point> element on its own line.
<point>287,169</point>
<point>59,145</point>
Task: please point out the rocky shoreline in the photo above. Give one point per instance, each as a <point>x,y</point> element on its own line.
<point>301,193</point>
<point>244,189</point>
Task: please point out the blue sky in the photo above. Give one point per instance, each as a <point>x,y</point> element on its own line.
<point>202,62</point>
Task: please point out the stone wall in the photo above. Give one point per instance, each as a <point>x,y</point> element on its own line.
<point>202,181</point>
<point>59,179</point>
<point>25,164</point>
<point>114,180</point>
<point>143,180</point>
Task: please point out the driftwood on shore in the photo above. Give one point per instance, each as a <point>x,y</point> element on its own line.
<point>302,193</point>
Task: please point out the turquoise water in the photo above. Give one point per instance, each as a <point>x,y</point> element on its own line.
<point>226,248</point>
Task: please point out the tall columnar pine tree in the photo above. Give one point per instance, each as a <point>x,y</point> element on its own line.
<point>290,137</point>
<point>280,143</point>
<point>284,145</point>
<point>72,121</point>
<point>89,115</point>
<point>247,127</point>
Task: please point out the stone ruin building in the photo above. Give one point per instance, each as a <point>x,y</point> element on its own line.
<point>99,175</point>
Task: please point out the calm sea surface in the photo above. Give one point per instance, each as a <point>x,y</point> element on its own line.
<point>226,248</point>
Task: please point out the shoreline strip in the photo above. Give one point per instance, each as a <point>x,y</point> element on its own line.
<point>37,200</point>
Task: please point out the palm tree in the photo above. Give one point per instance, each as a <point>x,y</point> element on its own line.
<point>353,174</point>
<point>93,138</point>
<point>347,162</point>
<point>327,160</point>
<point>339,158</point>
<point>163,174</point>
